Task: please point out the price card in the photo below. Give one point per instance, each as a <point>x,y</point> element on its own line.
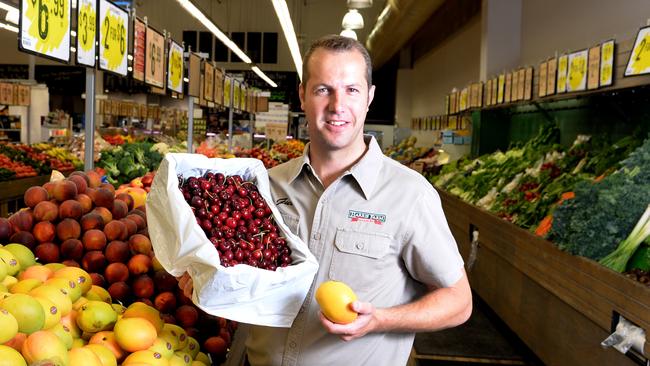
<point>514,93</point>
<point>528,84</point>
<point>154,59</point>
<point>473,94</point>
<point>218,86</point>
<point>488,93</point>
<point>501,88</point>
<point>508,88</point>
<point>139,47</point>
<point>193,74</point>
<point>452,103</point>
<point>276,131</point>
<point>464,99</point>
<point>593,68</point>
<point>639,62</point>
<point>208,81</point>
<point>113,37</point>
<point>562,69</point>
<point>227,88</point>
<point>447,104</point>
<point>235,90</point>
<point>543,68</point>
<point>577,74</point>
<point>607,63</point>
<point>24,95</point>
<point>495,90</point>
<point>551,76</point>
<point>175,67</point>
<point>522,84</point>
<point>86,32</point>
<point>45,28</point>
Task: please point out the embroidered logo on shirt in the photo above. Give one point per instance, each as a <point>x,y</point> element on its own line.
<point>376,218</point>
<point>283,201</point>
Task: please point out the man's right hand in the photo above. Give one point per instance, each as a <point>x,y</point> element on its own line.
<point>185,283</point>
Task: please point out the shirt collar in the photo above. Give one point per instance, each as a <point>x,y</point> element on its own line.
<point>365,171</point>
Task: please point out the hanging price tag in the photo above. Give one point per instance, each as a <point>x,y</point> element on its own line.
<point>139,45</point>
<point>175,67</point>
<point>551,74</point>
<point>639,62</point>
<point>154,61</point>
<point>577,71</point>
<point>607,63</point>
<point>562,68</point>
<point>45,28</point>
<point>86,32</point>
<point>594,68</point>
<point>113,38</point>
<point>543,68</point>
<point>501,88</point>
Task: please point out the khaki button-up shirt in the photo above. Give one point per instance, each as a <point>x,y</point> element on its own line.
<point>380,229</point>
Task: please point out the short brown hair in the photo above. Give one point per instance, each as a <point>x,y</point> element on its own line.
<point>336,43</point>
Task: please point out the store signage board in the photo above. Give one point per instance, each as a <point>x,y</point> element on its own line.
<point>154,60</point>
<point>501,88</point>
<point>551,76</point>
<point>218,86</point>
<point>86,32</point>
<point>208,81</point>
<point>236,94</point>
<point>202,100</point>
<point>528,86</point>
<point>44,28</point>
<point>593,68</point>
<point>113,37</point>
<point>463,100</point>
<point>488,93</point>
<point>495,90</point>
<point>447,104</point>
<point>139,47</point>
<point>194,74</point>
<point>607,63</point>
<point>227,86</point>
<point>577,71</point>
<point>473,94</point>
<point>522,84</point>
<point>639,62</point>
<point>276,131</point>
<point>543,68</point>
<point>508,87</point>
<point>175,67</point>
<point>514,93</point>
<point>243,99</point>
<point>562,69</point>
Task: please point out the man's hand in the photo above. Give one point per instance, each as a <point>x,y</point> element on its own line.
<point>185,284</point>
<point>365,323</point>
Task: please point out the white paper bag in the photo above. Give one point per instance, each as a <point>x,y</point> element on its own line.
<point>242,293</point>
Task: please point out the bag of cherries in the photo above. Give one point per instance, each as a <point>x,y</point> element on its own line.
<point>216,220</point>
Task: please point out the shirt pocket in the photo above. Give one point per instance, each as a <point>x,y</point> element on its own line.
<point>292,221</point>
<point>359,258</point>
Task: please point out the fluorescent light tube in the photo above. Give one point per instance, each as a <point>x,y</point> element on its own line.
<point>282,12</point>
<point>263,76</point>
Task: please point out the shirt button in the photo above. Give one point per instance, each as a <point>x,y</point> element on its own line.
<point>316,236</point>
<point>292,344</point>
<point>359,246</point>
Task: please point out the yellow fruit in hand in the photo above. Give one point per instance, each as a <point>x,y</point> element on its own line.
<point>335,299</point>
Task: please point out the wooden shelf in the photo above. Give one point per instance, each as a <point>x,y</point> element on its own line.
<point>562,306</point>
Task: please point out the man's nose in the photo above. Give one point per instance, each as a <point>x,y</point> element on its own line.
<point>336,102</point>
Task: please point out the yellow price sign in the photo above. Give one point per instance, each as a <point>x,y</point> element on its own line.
<point>113,33</point>
<point>175,67</point>
<point>45,27</point>
<point>86,32</point>
<point>639,62</point>
<point>577,78</point>
<point>562,66</point>
<point>607,63</point>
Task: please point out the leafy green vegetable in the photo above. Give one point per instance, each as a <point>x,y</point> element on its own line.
<point>640,259</point>
<point>617,260</point>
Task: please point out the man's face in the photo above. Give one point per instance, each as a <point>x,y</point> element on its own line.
<point>336,99</point>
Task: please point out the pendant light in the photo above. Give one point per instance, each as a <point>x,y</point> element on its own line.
<point>349,33</point>
<point>352,20</point>
<point>359,4</point>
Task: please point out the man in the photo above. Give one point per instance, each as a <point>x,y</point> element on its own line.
<point>371,223</point>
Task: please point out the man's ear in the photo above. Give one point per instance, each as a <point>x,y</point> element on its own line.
<point>371,95</point>
<point>301,94</point>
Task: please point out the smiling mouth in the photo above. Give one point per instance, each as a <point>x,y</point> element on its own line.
<point>336,123</point>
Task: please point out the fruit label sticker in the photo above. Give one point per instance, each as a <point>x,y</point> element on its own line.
<point>594,68</point>
<point>607,63</point>
<point>639,62</point>
<point>45,28</point>
<point>577,72</point>
<point>175,67</point>
<point>562,67</point>
<point>113,38</point>
<point>86,32</point>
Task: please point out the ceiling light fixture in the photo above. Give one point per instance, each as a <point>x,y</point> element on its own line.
<point>352,20</point>
<point>7,7</point>
<point>264,77</point>
<point>349,33</point>
<point>12,16</point>
<point>9,27</point>
<point>284,18</point>
<point>359,4</point>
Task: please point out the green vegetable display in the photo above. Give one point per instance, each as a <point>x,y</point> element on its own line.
<point>129,161</point>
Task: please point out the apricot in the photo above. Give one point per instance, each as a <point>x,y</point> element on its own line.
<point>94,261</point>
<point>120,209</point>
<point>115,230</point>
<point>22,220</point>
<point>47,253</point>
<point>25,238</point>
<point>94,240</point>
<point>34,195</point>
<point>91,221</point>
<point>44,231</point>
<point>139,264</point>
<point>85,202</point>
<point>64,190</point>
<point>80,182</point>
<point>72,249</point>
<point>46,211</point>
<point>103,198</point>
<point>116,272</point>
<point>143,286</point>
<point>105,213</point>
<point>117,251</point>
<point>68,229</point>
<point>139,243</point>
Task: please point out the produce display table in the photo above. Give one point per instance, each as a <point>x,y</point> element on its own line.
<point>561,306</point>
<point>12,191</point>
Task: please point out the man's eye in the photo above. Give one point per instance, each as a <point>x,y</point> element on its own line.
<point>353,90</point>
<point>322,91</point>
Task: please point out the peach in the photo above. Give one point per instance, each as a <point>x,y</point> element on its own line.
<point>71,209</point>
<point>22,220</point>
<point>103,198</point>
<point>94,179</point>
<point>86,203</point>
<point>126,198</point>
<point>72,249</point>
<point>46,211</point>
<point>142,224</point>
<point>105,213</point>
<point>93,261</point>
<point>164,281</point>
<point>116,272</point>
<point>115,230</point>
<point>120,209</point>
<point>80,182</point>
<point>143,286</point>
<point>97,279</point>
<point>49,187</point>
<point>107,339</point>
<point>68,229</point>
<point>137,211</point>
<point>131,227</point>
<point>94,240</point>
<point>5,229</point>
<point>82,175</point>
<point>165,302</point>
<point>34,195</point>
<point>139,264</point>
<point>25,238</point>
<point>47,253</point>
<point>64,190</point>
<point>71,263</point>
<point>44,231</point>
<point>119,291</point>
<point>186,315</point>
<point>117,251</point>
<point>91,221</point>
<point>139,243</point>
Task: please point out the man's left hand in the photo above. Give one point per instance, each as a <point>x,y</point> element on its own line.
<point>365,323</point>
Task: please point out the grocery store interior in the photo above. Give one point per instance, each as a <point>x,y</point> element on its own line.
<point>526,117</point>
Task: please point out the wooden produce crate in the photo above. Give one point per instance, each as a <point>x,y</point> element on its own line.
<point>562,306</point>
<point>12,191</point>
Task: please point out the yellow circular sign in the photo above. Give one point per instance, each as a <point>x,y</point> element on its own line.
<point>113,40</point>
<point>175,68</point>
<point>86,27</point>
<point>49,23</point>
